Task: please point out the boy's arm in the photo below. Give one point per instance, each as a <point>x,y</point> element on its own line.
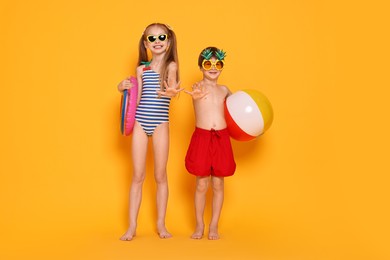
<point>228,92</point>
<point>198,91</point>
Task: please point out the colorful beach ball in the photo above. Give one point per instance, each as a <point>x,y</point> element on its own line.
<point>248,114</point>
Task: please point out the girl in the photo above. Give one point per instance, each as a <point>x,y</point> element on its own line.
<point>158,82</point>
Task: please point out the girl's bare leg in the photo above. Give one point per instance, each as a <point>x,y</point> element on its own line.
<point>139,149</point>
<point>161,150</point>
<point>200,202</point>
<point>218,195</point>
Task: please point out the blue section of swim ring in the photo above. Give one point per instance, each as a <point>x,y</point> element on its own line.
<point>123,111</point>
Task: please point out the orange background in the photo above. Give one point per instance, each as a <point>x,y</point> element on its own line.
<point>314,186</point>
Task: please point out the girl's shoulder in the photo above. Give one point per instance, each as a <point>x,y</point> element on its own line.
<point>172,65</point>
<point>140,70</point>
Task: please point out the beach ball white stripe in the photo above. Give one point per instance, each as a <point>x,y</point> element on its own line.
<point>245,112</point>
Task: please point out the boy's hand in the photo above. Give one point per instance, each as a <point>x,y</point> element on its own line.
<point>125,84</point>
<point>198,91</point>
<point>170,91</point>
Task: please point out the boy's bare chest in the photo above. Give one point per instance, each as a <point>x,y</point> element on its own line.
<point>215,95</point>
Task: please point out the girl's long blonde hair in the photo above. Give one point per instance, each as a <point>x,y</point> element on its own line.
<point>170,55</point>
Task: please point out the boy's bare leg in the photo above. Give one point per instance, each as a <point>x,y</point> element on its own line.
<point>161,150</point>
<point>139,149</point>
<point>218,195</point>
<point>200,202</point>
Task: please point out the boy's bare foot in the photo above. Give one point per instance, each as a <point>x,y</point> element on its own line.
<point>198,234</point>
<point>213,233</point>
<point>163,233</point>
<point>129,235</point>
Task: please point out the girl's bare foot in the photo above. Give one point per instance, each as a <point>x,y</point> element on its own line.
<point>198,234</point>
<point>213,233</point>
<point>163,232</point>
<point>129,235</point>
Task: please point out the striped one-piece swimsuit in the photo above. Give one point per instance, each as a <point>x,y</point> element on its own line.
<point>151,110</point>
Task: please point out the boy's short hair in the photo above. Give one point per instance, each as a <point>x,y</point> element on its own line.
<point>200,59</point>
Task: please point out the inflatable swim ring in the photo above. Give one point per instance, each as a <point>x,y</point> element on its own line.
<point>128,107</point>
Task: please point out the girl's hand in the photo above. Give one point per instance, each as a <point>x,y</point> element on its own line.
<point>198,91</point>
<point>170,91</point>
<point>125,84</point>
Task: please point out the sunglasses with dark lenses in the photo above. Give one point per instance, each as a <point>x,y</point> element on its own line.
<point>208,64</point>
<point>153,38</point>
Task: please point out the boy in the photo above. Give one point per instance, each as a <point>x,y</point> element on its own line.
<point>210,151</point>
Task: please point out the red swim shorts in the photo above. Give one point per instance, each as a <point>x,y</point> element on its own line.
<point>210,153</point>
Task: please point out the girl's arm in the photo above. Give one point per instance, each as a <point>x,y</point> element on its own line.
<point>172,72</point>
<point>171,86</point>
<point>124,84</point>
<point>139,71</point>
